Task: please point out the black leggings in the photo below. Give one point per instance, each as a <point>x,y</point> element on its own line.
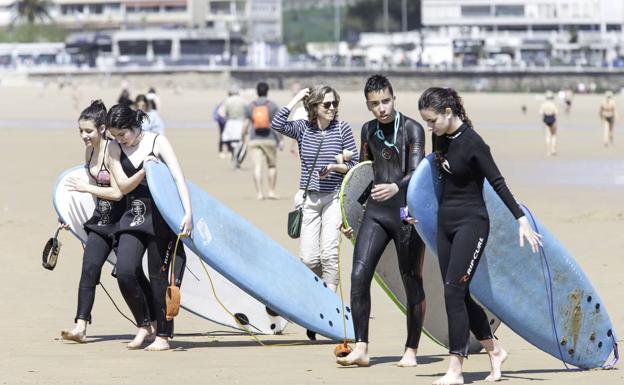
<point>461,241</point>
<point>145,305</point>
<point>380,225</point>
<point>96,250</point>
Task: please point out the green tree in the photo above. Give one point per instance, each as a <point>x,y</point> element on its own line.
<point>31,10</point>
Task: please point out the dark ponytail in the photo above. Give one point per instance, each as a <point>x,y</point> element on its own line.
<point>121,116</point>
<point>96,112</point>
<point>439,99</point>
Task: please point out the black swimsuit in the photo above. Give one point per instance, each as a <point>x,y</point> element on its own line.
<point>395,159</point>
<point>141,229</point>
<point>105,218</point>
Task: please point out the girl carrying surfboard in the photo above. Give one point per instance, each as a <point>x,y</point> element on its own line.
<point>464,161</point>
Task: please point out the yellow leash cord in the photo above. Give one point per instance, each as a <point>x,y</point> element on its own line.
<point>252,334</point>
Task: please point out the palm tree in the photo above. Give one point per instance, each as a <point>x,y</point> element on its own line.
<point>32,10</point>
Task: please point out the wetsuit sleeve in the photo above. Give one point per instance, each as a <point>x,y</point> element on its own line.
<point>416,147</point>
<point>292,129</point>
<point>365,154</point>
<point>487,166</point>
<point>348,143</point>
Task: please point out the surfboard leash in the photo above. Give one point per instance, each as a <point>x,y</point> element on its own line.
<point>111,298</point>
<point>240,324</point>
<point>343,349</point>
<point>551,302</point>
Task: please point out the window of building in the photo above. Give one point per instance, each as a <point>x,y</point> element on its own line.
<point>202,47</point>
<point>219,7</point>
<point>509,10</point>
<point>162,47</point>
<point>133,47</point>
<point>175,8</point>
<point>476,10</point>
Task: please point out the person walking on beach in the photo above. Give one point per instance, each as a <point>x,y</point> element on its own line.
<point>141,226</point>
<point>548,111</point>
<point>103,223</point>
<point>262,141</point>
<point>234,108</point>
<point>320,139</point>
<point>154,122</point>
<point>608,114</point>
<point>396,144</point>
<point>464,160</point>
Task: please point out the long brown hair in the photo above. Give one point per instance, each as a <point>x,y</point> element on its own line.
<point>317,94</point>
<point>439,99</point>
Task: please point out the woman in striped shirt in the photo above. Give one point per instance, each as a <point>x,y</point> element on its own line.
<point>321,209</point>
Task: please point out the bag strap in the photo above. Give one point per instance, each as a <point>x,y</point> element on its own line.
<point>318,151</point>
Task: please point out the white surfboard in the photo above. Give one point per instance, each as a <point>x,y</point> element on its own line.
<point>197,296</point>
<point>353,196</point>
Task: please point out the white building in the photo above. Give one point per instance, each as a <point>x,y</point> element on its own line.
<point>254,19</point>
<point>540,32</point>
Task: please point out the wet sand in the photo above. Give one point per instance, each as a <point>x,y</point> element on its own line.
<point>577,195</point>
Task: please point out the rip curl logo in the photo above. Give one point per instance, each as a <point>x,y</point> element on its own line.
<point>138,210</point>
<point>386,153</point>
<point>105,208</point>
<point>167,259</point>
<point>446,166</point>
<point>475,255</point>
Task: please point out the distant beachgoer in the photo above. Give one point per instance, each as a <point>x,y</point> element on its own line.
<point>124,98</point>
<point>567,99</point>
<point>154,122</point>
<point>608,114</point>
<point>548,111</point>
<point>218,114</point>
<point>155,103</point>
<point>234,110</point>
<point>263,142</point>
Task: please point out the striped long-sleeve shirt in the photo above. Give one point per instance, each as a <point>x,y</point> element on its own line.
<point>337,137</point>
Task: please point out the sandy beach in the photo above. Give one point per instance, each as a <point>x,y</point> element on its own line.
<point>578,195</point>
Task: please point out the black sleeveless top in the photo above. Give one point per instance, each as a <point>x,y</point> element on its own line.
<point>141,214</point>
<point>105,218</point>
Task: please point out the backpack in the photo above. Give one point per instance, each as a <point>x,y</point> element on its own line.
<point>260,116</point>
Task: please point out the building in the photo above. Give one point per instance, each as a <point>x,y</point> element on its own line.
<point>254,19</point>
<point>537,32</point>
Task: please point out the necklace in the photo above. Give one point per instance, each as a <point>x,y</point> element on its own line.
<point>380,135</point>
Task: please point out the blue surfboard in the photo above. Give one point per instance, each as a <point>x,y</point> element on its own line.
<point>75,208</point>
<point>544,297</point>
<point>250,259</point>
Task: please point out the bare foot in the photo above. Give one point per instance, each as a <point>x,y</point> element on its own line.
<point>359,356</point>
<point>450,379</point>
<point>160,344</point>
<point>272,195</point>
<point>497,357</point>
<point>77,335</point>
<point>409,359</point>
<point>142,334</point>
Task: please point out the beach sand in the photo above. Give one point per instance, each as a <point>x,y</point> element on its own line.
<point>577,195</point>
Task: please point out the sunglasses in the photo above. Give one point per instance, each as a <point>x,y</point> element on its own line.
<point>326,105</point>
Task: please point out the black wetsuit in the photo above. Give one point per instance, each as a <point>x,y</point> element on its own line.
<point>463,228</point>
<point>382,223</point>
<point>100,229</point>
<point>142,228</point>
